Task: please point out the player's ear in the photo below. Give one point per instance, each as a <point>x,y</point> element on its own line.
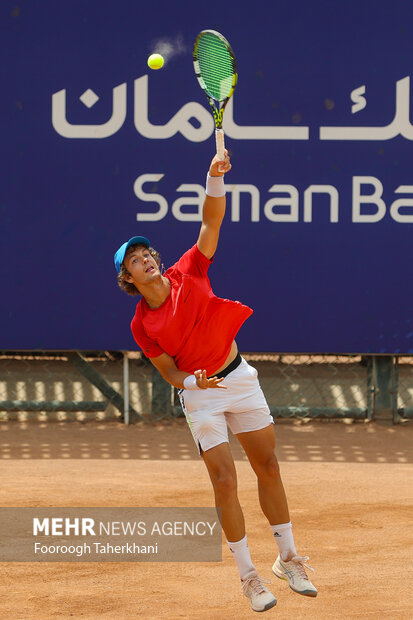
<point>126,276</point>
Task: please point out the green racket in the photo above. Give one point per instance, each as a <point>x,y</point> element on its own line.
<point>216,70</point>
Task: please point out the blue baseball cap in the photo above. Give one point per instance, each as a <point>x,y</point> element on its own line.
<point>120,254</point>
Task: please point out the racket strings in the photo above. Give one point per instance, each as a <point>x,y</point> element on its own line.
<point>215,67</point>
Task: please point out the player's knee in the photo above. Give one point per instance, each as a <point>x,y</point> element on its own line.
<point>269,468</point>
<point>225,483</point>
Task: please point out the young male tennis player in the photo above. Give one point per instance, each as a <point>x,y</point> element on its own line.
<point>188,334</point>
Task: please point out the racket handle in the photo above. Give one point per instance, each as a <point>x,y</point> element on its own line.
<point>219,139</point>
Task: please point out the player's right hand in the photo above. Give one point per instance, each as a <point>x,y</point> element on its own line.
<point>219,167</point>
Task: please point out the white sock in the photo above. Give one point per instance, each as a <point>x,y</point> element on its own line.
<point>242,556</point>
<point>283,536</point>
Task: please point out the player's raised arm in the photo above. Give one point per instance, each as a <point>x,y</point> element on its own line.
<point>214,206</point>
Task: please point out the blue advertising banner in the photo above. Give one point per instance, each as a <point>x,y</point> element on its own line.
<point>97,148</point>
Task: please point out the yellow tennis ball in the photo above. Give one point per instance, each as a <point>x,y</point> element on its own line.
<point>155,61</point>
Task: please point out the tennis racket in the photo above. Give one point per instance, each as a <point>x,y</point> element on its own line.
<point>216,70</point>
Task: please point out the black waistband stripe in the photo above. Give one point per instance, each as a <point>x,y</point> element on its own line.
<point>232,366</point>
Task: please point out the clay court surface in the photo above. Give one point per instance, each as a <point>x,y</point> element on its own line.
<point>350,490</point>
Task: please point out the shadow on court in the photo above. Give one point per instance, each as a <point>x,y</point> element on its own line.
<point>297,441</point>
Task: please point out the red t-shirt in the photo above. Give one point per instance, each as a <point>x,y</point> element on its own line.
<point>193,325</point>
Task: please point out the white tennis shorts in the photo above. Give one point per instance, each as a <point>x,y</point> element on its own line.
<point>241,407</point>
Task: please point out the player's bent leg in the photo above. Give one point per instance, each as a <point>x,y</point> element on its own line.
<point>259,447</point>
<point>221,469</point>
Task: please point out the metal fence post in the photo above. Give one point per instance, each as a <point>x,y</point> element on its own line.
<point>370,388</point>
<point>126,387</point>
<point>396,416</point>
<point>385,388</point>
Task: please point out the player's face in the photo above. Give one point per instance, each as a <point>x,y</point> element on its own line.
<point>142,266</point>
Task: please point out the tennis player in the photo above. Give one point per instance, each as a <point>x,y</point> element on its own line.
<point>188,334</point>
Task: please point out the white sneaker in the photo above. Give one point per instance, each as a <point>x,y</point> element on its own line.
<point>260,597</point>
<point>293,571</point>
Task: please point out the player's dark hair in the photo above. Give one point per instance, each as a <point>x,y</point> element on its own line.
<point>129,287</point>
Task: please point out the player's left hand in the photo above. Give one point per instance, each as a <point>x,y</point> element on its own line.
<point>219,167</point>
<point>203,382</point>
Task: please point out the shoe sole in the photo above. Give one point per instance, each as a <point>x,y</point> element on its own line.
<point>268,606</point>
<point>309,593</point>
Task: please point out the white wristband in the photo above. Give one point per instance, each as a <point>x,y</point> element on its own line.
<point>215,186</point>
<point>190,383</point>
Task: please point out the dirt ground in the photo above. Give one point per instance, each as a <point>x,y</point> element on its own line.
<point>350,491</point>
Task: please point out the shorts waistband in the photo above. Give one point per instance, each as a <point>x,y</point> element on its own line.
<point>232,366</point>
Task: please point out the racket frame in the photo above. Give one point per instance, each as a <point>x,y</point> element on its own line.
<point>217,106</point>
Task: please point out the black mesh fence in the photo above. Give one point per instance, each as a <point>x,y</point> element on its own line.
<point>99,385</point>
